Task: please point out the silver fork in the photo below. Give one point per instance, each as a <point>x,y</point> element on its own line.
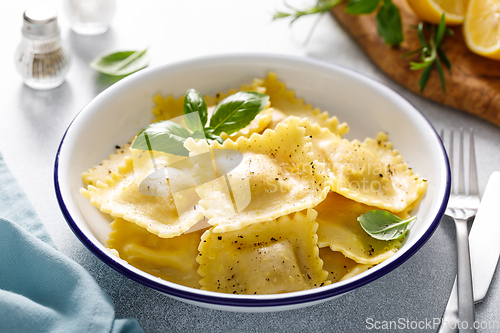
<point>462,206</point>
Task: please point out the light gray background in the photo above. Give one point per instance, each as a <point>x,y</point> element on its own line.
<point>32,124</point>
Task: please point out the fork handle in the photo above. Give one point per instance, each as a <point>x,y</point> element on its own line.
<point>464,278</point>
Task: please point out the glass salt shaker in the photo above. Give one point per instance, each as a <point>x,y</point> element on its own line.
<point>40,58</point>
<point>89,17</point>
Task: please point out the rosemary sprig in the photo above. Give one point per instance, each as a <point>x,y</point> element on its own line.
<point>388,17</point>
<point>431,52</point>
<point>321,7</point>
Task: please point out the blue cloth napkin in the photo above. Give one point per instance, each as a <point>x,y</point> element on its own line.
<point>41,290</point>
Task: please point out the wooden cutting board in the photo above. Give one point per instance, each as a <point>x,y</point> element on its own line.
<point>473,84</point>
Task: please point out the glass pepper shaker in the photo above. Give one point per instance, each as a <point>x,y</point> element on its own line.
<point>40,58</point>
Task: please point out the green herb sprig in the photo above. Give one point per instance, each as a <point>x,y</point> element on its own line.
<point>230,115</point>
<point>321,7</point>
<point>383,225</point>
<point>431,52</point>
<point>120,63</point>
<point>388,16</point>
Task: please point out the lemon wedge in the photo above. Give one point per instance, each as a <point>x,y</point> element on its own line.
<point>482,28</point>
<point>432,10</point>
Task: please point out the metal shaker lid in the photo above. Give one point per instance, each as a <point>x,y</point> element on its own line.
<point>40,21</point>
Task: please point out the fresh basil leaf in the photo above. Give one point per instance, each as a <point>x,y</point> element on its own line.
<point>389,23</point>
<point>194,102</point>
<point>361,6</point>
<point>236,111</point>
<point>212,137</point>
<point>165,136</point>
<point>120,63</point>
<point>383,225</point>
<point>198,135</point>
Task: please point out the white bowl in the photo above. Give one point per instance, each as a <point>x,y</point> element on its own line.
<point>366,105</point>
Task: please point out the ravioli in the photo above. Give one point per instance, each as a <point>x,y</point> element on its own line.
<point>172,259</point>
<point>282,220</point>
<point>282,173</point>
<point>340,230</point>
<point>270,257</point>
<point>119,196</point>
<point>338,266</point>
<point>106,167</point>
<point>369,172</point>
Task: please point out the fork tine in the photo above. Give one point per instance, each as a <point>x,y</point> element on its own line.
<point>452,168</point>
<point>473,188</point>
<point>461,174</point>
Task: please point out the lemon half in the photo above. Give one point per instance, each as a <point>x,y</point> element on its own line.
<point>482,28</point>
<point>432,10</point>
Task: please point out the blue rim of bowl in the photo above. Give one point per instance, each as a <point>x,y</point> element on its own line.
<point>242,301</point>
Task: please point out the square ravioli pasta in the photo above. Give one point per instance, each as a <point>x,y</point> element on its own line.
<point>270,257</point>
<point>369,172</point>
<point>172,259</point>
<point>120,197</point>
<point>281,171</point>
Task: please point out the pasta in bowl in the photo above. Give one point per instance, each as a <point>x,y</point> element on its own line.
<point>289,239</point>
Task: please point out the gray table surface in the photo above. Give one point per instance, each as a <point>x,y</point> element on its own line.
<point>32,124</point>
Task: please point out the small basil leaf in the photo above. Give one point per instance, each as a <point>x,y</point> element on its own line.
<point>198,135</point>
<point>212,137</point>
<point>383,225</point>
<point>165,136</point>
<point>237,111</point>
<point>361,6</point>
<point>389,23</point>
<point>120,63</point>
<point>194,102</point>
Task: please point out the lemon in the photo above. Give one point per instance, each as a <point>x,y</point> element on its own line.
<point>482,28</point>
<point>432,10</point>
